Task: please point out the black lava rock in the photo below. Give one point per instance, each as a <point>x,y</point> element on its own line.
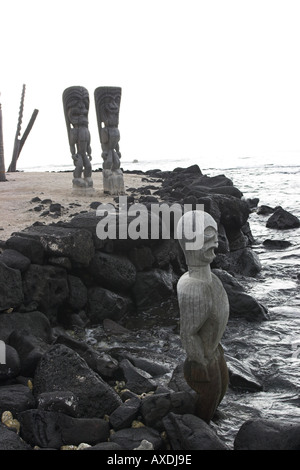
<point>103,303</point>
<point>16,398</point>
<point>123,416</point>
<point>49,429</point>
<point>282,220</point>
<point>155,407</point>
<point>10,440</point>
<point>188,432</point>
<point>131,438</point>
<point>32,249</point>
<point>15,260</point>
<point>263,434</point>
<point>11,291</point>
<point>241,304</point>
<point>61,368</point>
<point>276,244</point>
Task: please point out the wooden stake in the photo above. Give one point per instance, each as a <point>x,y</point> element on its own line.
<point>18,145</point>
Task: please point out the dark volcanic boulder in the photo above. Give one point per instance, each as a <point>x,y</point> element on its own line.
<point>122,226</point>
<point>215,181</point>
<point>155,407</point>
<point>55,207</point>
<point>112,271</point>
<point>46,287</point>
<point>192,169</point>
<point>123,416</point>
<point>99,362</point>
<point>223,243</point>
<point>137,380</point>
<point>49,429</point>
<point>228,191</point>
<point>87,221</point>
<point>234,212</point>
<point>276,244</point>
<point>282,220</point>
<point>265,210</point>
<point>29,247</point>
<point>241,377</point>
<point>244,262</point>
<point>30,349</point>
<point>152,287</point>
<point>15,260</point>
<point>153,368</point>
<point>77,293</point>
<point>75,244</point>
<point>168,252</point>
<point>241,303</point>
<point>63,369</point>
<point>263,434</point>
<point>131,438</point>
<point>188,432</point>
<point>142,258</point>
<point>208,203</point>
<point>11,292</point>
<point>178,382</point>
<point>60,262</point>
<point>10,440</point>
<point>237,240</point>
<point>12,366</point>
<point>252,202</point>
<point>103,303</point>
<point>16,398</point>
<point>31,323</point>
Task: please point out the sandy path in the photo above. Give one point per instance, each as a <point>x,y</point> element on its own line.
<point>17,211</point>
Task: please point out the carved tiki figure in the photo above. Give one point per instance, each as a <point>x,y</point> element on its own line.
<point>204,311</point>
<point>107,102</point>
<point>76,104</point>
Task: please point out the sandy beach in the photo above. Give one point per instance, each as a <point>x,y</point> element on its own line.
<point>17,211</point>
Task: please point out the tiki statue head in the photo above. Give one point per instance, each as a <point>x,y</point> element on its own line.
<point>107,101</point>
<point>197,234</point>
<point>76,106</point>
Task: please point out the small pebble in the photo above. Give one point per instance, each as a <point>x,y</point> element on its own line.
<point>137,424</point>
<point>83,445</point>
<point>10,422</point>
<point>144,445</point>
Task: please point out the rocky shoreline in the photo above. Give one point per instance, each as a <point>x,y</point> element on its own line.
<point>56,280</point>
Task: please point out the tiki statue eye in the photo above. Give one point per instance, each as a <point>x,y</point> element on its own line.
<point>209,232</point>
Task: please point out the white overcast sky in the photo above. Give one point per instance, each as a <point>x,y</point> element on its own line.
<point>213,78</point>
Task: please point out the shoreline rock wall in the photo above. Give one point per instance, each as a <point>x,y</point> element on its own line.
<point>65,271</point>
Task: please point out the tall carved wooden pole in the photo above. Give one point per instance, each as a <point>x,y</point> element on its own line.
<point>18,145</point>
<point>2,164</point>
<point>76,103</point>
<point>107,101</point>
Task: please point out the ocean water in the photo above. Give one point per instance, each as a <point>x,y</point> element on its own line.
<point>269,349</point>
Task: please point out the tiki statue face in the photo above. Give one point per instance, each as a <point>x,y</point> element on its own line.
<point>200,226</point>
<point>107,100</point>
<point>76,106</point>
